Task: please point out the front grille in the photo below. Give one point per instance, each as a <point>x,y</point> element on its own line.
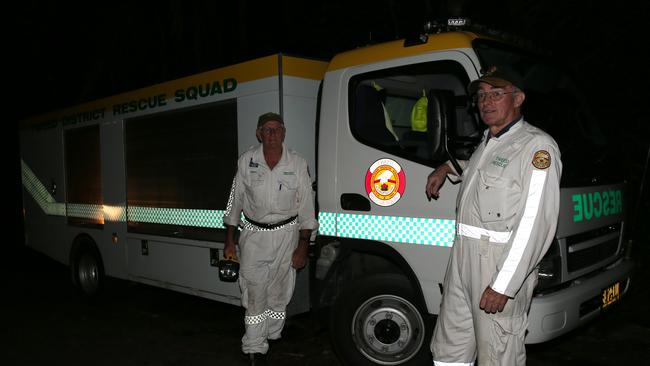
<point>590,256</point>
<point>592,247</point>
<point>592,234</point>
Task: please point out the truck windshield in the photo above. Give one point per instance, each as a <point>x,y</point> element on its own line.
<point>555,104</point>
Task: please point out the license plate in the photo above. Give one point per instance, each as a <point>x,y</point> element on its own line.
<point>611,295</point>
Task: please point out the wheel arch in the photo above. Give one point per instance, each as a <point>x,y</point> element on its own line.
<point>361,257</point>
<point>81,243</point>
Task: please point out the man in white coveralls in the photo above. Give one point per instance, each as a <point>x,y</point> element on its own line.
<point>507,211</point>
<point>273,189</point>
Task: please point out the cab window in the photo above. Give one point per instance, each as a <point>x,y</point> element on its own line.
<point>408,111</point>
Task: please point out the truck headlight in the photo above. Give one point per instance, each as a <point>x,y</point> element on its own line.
<point>550,269</point>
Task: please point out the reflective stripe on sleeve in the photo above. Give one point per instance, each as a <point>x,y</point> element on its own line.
<point>231,197</point>
<point>439,363</point>
<point>523,232</point>
<point>477,232</point>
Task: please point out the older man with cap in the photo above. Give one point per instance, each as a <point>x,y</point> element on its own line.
<point>507,210</point>
<point>273,190</point>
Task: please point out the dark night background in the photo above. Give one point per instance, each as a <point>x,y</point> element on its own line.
<point>60,54</point>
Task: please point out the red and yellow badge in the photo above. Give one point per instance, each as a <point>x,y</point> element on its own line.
<point>385,182</point>
<point>541,159</point>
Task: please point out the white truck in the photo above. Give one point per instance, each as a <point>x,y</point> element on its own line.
<point>134,186</point>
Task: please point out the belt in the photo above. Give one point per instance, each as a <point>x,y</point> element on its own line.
<point>263,226</point>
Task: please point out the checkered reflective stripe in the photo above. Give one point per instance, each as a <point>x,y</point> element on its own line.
<point>86,211</point>
<point>327,223</point>
<point>177,216</point>
<point>114,213</point>
<point>40,194</point>
<point>231,197</point>
<point>255,319</point>
<point>249,226</point>
<point>275,314</point>
<point>412,230</point>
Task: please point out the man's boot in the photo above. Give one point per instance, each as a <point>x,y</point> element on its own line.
<point>258,359</point>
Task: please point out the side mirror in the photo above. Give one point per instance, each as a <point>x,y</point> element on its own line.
<point>457,139</point>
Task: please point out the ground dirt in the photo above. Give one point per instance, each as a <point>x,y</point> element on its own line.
<point>44,322</point>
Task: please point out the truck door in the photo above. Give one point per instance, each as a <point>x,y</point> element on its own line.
<point>386,152</point>
<point>392,123</point>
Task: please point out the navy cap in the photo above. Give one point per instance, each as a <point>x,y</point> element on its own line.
<point>498,77</point>
<point>270,116</point>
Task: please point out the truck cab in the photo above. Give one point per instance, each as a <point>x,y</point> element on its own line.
<point>384,247</point>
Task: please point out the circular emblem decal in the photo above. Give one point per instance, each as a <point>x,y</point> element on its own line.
<point>542,159</point>
<point>385,182</point>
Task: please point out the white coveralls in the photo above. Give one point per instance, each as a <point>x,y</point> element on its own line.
<point>507,211</point>
<point>266,277</point>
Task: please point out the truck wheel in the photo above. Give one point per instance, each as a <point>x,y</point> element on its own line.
<point>377,320</point>
<point>87,270</point>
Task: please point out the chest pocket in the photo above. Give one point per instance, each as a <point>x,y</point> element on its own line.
<point>255,188</point>
<point>494,194</point>
<point>287,193</point>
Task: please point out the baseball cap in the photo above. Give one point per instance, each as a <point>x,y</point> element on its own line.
<point>498,77</point>
<point>270,116</point>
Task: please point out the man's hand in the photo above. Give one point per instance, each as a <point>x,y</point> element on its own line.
<point>229,250</point>
<point>435,181</point>
<point>492,301</point>
<point>299,258</point>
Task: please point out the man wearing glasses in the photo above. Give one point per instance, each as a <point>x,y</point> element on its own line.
<point>507,211</point>
<point>273,190</point>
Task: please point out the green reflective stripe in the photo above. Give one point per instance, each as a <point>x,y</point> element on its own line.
<point>86,211</point>
<point>40,194</point>
<point>327,223</point>
<point>177,216</point>
<point>412,230</point>
<point>114,213</point>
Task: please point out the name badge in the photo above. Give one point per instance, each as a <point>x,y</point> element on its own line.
<point>500,162</point>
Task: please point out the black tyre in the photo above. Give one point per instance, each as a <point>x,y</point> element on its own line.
<point>379,321</point>
<point>87,270</point>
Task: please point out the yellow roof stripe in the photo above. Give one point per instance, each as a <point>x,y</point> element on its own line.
<point>396,49</point>
<point>267,67</point>
<point>246,71</point>
<point>304,68</point>
<point>242,72</point>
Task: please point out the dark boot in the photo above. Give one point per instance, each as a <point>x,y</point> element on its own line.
<point>258,359</point>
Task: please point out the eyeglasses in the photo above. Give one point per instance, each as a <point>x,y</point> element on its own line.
<point>271,131</point>
<point>492,95</point>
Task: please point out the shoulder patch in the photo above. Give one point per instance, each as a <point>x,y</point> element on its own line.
<point>541,159</point>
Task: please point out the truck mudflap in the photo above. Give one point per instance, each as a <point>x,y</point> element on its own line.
<point>554,314</point>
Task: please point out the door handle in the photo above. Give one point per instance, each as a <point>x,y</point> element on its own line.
<point>354,202</point>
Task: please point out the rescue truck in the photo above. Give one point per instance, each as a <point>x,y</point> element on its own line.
<point>134,186</point>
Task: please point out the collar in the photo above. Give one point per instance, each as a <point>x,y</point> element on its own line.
<point>503,130</point>
<point>258,156</point>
